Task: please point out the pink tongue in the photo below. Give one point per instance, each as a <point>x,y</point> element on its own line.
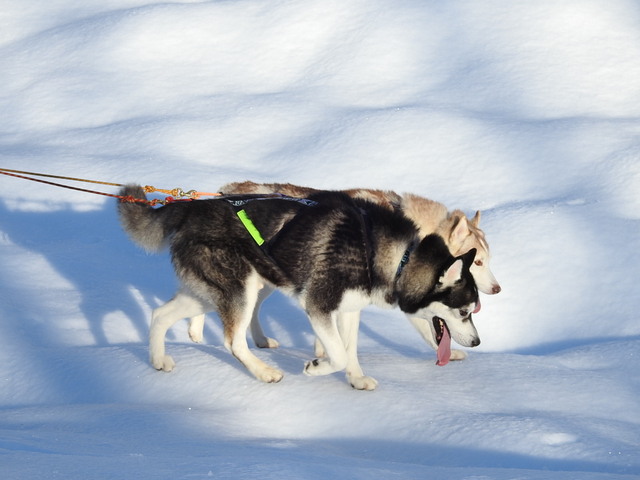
<point>444,349</point>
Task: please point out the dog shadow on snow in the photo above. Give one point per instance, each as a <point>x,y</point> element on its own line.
<point>88,250</point>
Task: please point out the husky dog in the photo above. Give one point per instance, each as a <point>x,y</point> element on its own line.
<point>332,252</point>
<point>460,234</point>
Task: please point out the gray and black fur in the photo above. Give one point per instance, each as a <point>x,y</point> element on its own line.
<point>326,255</point>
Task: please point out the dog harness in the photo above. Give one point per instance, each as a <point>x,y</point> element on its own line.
<point>251,228</point>
<point>238,201</point>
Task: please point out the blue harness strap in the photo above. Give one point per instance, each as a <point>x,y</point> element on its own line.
<point>240,202</point>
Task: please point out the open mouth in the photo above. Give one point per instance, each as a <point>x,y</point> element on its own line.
<point>443,339</point>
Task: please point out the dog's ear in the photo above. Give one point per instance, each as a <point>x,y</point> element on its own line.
<point>452,274</point>
<point>459,230</point>
<point>475,221</point>
<point>469,257</point>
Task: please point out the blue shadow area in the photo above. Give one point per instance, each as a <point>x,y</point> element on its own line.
<point>89,250</point>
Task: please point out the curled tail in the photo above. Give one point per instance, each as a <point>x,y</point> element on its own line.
<point>141,221</point>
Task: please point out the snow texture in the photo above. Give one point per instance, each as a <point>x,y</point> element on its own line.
<point>527,111</point>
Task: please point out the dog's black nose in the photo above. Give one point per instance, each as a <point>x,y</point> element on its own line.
<point>475,342</point>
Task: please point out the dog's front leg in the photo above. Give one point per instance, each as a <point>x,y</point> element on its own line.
<point>348,326</point>
<point>325,328</point>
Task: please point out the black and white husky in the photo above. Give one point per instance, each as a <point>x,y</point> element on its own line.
<point>332,252</point>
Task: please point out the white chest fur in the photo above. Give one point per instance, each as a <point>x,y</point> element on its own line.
<point>356,300</point>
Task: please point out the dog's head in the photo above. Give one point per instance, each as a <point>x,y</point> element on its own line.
<point>461,236</point>
<point>439,288</point>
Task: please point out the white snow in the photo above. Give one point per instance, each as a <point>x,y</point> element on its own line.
<point>528,111</point>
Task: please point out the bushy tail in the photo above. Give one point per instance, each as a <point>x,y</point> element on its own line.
<point>141,221</point>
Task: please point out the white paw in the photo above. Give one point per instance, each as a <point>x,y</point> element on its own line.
<point>195,334</point>
<point>318,367</point>
<point>457,355</point>
<point>165,363</point>
<point>267,342</point>
<point>363,383</point>
<point>270,375</point>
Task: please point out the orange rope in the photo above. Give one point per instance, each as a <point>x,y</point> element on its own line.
<point>176,192</point>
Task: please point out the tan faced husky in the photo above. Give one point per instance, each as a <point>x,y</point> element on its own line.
<point>460,235</point>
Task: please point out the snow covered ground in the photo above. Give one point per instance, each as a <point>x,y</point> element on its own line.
<point>528,111</point>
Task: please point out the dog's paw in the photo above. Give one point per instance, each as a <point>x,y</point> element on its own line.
<point>164,363</point>
<point>457,355</point>
<point>270,375</point>
<point>317,367</point>
<point>363,382</point>
<point>195,334</point>
<point>267,342</point>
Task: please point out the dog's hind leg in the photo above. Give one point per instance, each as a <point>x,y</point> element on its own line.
<point>326,330</point>
<point>348,325</point>
<point>259,338</point>
<point>196,328</point>
<point>196,324</point>
<point>182,305</point>
<point>236,317</point>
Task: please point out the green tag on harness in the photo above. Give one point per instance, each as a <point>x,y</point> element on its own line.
<point>251,228</point>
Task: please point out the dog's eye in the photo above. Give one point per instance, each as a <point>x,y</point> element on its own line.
<point>478,263</point>
<point>464,313</point>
